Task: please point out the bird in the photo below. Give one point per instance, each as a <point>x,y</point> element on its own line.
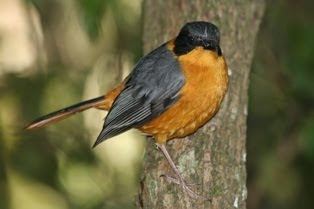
<point>171,92</point>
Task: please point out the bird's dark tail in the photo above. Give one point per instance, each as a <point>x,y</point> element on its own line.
<point>65,113</point>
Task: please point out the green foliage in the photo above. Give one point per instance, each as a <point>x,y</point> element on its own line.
<point>93,12</point>
<point>280,121</point>
<point>307,138</point>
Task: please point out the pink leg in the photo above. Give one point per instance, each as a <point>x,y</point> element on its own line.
<point>180,179</point>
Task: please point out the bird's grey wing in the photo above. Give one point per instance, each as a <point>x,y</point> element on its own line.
<point>151,88</point>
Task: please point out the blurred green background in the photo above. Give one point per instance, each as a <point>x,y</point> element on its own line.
<point>54,53</point>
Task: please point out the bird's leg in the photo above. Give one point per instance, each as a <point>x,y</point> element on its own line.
<point>180,179</point>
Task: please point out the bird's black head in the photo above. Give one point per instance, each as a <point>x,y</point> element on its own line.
<point>195,34</point>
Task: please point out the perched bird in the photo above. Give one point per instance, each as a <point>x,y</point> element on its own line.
<point>171,92</point>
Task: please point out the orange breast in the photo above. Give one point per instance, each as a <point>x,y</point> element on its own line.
<point>206,82</point>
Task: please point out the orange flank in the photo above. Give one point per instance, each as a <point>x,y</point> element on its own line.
<point>110,97</point>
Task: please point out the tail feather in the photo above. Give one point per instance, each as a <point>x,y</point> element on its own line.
<point>65,113</point>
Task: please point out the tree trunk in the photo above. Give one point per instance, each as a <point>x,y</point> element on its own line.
<point>214,157</point>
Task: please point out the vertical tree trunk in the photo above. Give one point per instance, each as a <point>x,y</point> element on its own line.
<point>214,157</point>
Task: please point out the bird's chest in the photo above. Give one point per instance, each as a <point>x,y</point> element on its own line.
<point>206,82</point>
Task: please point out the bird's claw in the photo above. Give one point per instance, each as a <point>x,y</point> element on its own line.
<point>184,185</point>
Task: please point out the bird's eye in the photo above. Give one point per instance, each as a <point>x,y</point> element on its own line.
<point>190,39</point>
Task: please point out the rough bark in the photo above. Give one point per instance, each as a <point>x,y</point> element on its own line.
<point>214,157</point>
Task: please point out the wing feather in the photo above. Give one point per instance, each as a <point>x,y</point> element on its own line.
<point>151,88</point>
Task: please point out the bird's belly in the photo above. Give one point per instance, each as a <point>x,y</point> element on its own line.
<point>183,118</point>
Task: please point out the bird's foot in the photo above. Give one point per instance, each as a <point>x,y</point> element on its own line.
<point>187,190</point>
